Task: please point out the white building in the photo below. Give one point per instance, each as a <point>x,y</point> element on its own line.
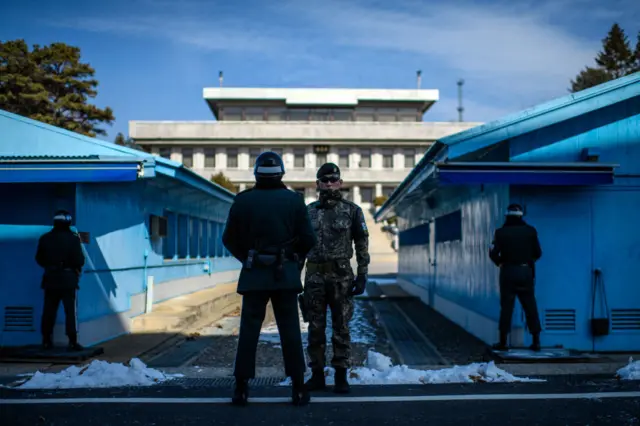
<point>375,136</point>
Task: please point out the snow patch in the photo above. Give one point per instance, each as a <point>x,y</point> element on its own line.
<point>378,370</point>
<point>630,372</point>
<point>99,374</point>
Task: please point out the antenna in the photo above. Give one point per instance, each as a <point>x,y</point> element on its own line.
<point>460,107</point>
<point>221,78</point>
<point>419,77</point>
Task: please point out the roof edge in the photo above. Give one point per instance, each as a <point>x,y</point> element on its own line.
<point>197,180</point>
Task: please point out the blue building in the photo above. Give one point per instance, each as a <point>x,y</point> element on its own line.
<point>574,164</point>
<point>151,229</point>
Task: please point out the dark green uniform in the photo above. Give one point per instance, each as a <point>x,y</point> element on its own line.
<point>329,278</point>
<point>269,218</point>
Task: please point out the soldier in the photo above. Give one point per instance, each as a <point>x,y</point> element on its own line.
<point>269,231</point>
<point>59,252</point>
<point>329,278</point>
<point>515,250</point>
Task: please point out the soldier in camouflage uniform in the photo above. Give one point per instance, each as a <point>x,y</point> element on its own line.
<point>329,278</point>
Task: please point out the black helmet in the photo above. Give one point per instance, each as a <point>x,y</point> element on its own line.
<point>514,210</point>
<point>62,217</point>
<point>268,165</point>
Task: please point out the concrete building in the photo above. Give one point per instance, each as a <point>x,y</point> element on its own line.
<point>574,164</point>
<point>151,229</point>
<point>375,136</point>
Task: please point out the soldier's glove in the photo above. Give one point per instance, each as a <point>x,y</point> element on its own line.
<point>359,285</point>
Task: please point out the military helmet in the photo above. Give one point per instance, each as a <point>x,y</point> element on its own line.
<point>269,165</point>
<point>514,210</point>
<point>62,217</point>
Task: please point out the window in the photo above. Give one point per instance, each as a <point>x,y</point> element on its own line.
<point>183,236</point>
<point>387,190</point>
<point>276,114</point>
<point>449,227</point>
<point>365,158</point>
<point>169,246</point>
<point>298,114</point>
<point>320,115</point>
<point>232,113</point>
<point>343,157</point>
<point>194,237</point>
<point>387,158</point>
<point>210,157</point>
<point>321,158</point>
<point>298,158</point>
<point>366,194</point>
<point>387,114</point>
<point>232,158</point>
<point>187,157</point>
<point>253,156</point>
<point>409,157</point>
<point>408,115</point>
<point>365,114</point>
<point>342,115</point>
<point>165,153</point>
<point>278,151</point>
<point>254,114</point>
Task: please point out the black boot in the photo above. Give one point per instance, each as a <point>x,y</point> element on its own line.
<point>317,381</point>
<point>502,344</point>
<point>74,346</point>
<point>535,346</point>
<point>47,343</point>
<point>341,383</point>
<point>241,392</point>
<point>299,392</point>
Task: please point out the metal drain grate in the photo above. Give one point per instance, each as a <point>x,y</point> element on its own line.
<point>221,382</point>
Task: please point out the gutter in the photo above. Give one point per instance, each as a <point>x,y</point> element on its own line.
<point>434,154</point>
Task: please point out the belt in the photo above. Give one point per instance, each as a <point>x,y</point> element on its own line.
<point>322,267</point>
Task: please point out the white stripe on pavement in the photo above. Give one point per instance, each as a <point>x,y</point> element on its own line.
<point>326,400</point>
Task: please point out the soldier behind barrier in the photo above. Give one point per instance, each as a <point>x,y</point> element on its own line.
<point>329,278</point>
<point>59,253</point>
<point>515,250</point>
<point>269,231</point>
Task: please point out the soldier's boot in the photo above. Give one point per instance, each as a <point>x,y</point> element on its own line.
<point>341,383</point>
<point>299,393</point>
<point>241,392</point>
<point>502,344</point>
<point>535,346</point>
<point>74,346</point>
<point>47,343</point>
<point>317,381</point>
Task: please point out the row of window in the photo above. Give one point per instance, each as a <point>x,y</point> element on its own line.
<point>367,114</point>
<point>298,157</point>
<point>189,237</point>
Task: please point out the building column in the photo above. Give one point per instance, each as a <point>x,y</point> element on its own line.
<point>242,186</point>
<point>378,190</point>
<point>176,154</point>
<point>355,194</point>
<point>198,158</point>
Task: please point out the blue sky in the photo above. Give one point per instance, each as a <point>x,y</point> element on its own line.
<point>154,57</point>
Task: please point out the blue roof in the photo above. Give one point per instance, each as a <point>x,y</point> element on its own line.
<point>513,125</point>
<point>26,140</point>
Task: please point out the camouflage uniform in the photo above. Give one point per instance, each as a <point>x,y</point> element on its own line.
<point>329,277</point>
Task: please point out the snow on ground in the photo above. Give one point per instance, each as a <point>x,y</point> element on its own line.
<point>378,370</point>
<point>630,372</point>
<point>99,374</point>
<point>361,330</point>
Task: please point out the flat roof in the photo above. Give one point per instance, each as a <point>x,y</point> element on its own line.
<point>320,96</point>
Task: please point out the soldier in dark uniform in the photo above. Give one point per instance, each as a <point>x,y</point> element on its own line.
<point>269,231</point>
<point>59,252</point>
<point>515,250</point>
<point>329,278</point>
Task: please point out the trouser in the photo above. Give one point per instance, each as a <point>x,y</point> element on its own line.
<point>52,299</point>
<point>285,309</point>
<point>517,281</point>
<point>322,290</point>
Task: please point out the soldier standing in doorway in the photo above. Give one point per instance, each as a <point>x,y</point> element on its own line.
<point>329,278</point>
<point>515,250</point>
<point>269,231</point>
<point>59,253</point>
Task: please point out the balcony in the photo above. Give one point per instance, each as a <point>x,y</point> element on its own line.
<point>258,132</point>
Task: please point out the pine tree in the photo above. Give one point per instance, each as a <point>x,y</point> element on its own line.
<point>614,61</point>
<point>52,85</point>
<point>224,182</point>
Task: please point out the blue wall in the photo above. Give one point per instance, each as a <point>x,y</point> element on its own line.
<point>580,229</point>
<point>120,254</point>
